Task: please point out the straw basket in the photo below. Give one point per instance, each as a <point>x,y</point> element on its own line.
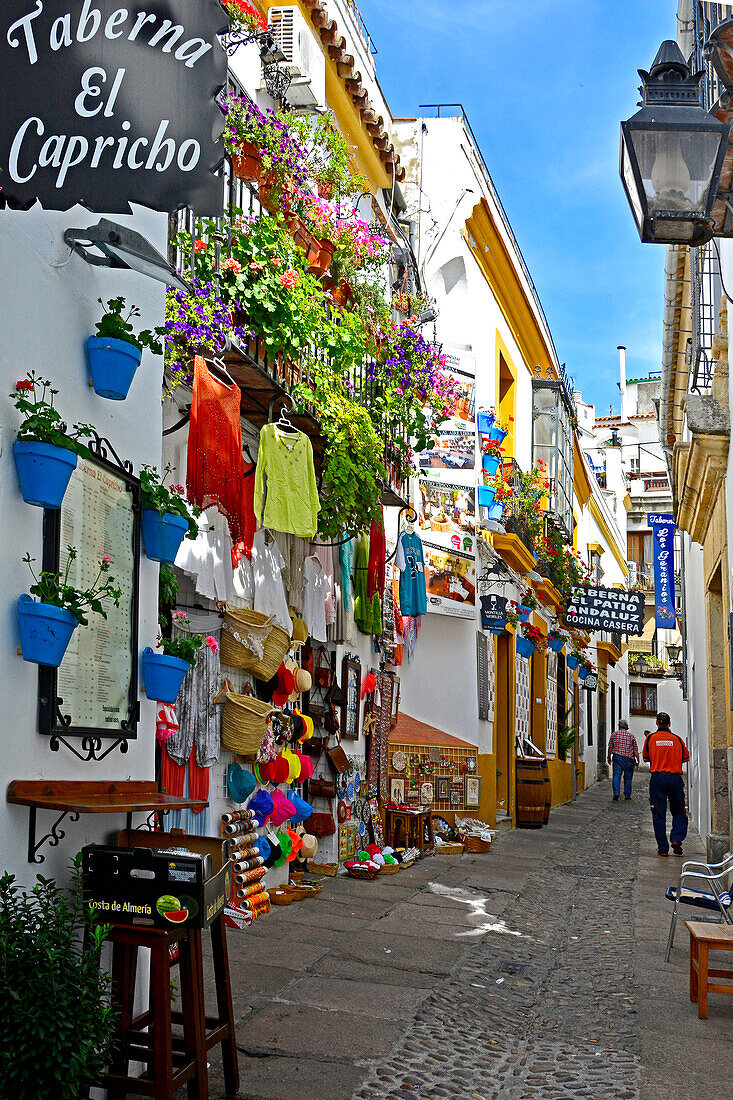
<point>389,869</point>
<point>329,869</point>
<point>365,873</point>
<point>475,844</point>
<point>448,849</point>
<point>244,721</point>
<point>252,641</point>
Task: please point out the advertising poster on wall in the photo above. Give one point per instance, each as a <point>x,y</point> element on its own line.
<point>447,514</point>
<point>451,581</point>
<point>453,455</point>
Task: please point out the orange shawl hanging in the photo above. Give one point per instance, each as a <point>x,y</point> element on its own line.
<point>215,474</point>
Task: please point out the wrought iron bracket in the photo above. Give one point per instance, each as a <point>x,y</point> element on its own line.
<point>54,837</point>
<point>149,825</point>
<point>412,517</point>
<point>90,746</point>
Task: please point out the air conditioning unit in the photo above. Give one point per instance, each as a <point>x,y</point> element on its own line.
<point>304,57</point>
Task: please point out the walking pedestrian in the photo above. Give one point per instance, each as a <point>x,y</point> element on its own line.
<point>623,753</point>
<point>666,753</point>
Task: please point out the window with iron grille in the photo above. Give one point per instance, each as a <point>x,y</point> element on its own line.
<point>553,444</point>
<point>643,699</point>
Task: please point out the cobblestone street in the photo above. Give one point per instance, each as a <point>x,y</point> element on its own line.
<point>534,971</point>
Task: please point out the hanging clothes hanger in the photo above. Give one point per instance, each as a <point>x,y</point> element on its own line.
<point>283,422</point>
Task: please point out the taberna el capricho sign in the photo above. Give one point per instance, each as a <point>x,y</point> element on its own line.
<point>613,609</point>
<point>107,104</point>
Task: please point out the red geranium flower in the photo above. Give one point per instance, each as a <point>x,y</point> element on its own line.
<point>24,385</point>
<point>200,246</point>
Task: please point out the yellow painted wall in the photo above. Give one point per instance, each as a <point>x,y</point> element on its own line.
<point>487,772</point>
<point>561,777</point>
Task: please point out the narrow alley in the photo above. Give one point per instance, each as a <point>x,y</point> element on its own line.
<point>534,971</point>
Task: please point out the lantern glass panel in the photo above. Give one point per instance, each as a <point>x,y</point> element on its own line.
<point>676,168</point>
<point>553,444</point>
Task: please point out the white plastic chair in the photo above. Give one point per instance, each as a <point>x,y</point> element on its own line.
<point>717,899</point>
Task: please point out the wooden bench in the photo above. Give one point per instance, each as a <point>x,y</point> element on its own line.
<point>705,937</point>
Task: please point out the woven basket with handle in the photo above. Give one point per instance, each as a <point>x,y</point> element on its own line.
<point>474,843</point>
<point>244,721</point>
<point>253,641</point>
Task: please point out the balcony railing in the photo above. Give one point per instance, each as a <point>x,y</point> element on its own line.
<point>263,376</point>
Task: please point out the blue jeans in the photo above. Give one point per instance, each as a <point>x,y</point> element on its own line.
<point>663,786</point>
<point>622,765</point>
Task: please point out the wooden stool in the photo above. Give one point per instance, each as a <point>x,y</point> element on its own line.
<point>706,937</point>
<point>409,829</point>
<point>172,1059</point>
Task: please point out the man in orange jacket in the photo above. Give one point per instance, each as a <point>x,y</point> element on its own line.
<point>666,753</point>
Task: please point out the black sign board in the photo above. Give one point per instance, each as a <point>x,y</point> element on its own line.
<point>104,103</point>
<point>606,609</point>
<point>493,610</point>
<point>591,681</point>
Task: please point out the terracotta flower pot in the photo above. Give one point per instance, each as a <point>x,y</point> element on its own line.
<point>275,195</point>
<point>247,163</point>
<point>324,256</point>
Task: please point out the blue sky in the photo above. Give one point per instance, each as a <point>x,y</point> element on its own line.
<point>545,86</point>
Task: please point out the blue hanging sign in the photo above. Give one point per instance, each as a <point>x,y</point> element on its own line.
<point>663,527</point>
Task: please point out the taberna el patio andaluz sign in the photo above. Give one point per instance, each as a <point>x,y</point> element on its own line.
<point>106,104</point>
<point>613,609</point>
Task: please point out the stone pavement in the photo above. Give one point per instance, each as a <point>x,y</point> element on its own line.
<point>533,971</point>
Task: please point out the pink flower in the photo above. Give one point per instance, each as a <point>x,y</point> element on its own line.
<point>276,261</point>
<point>178,615</point>
<point>256,266</point>
<point>106,559</point>
<point>232,265</point>
<point>289,278</point>
<point>178,489</point>
<point>212,643</point>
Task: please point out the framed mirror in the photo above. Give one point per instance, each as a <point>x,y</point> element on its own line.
<point>351,683</point>
<point>93,695</point>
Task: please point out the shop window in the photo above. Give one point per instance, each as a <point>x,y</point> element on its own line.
<point>552,442</point>
<point>589,712</point>
<point>643,699</point>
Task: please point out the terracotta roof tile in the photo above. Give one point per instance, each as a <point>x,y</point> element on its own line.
<point>410,731</point>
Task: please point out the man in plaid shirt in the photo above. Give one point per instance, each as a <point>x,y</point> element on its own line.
<point>623,753</point>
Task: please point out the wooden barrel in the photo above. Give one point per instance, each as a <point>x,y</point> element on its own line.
<point>548,791</point>
<point>530,793</point>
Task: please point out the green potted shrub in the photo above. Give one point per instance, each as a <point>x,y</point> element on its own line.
<point>46,626</point>
<point>116,351</point>
<point>45,451</point>
<point>57,1024</point>
<point>167,517</point>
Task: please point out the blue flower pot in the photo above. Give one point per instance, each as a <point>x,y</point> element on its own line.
<point>490,464</point>
<point>486,495</point>
<point>582,673</point>
<point>496,510</point>
<point>573,662</point>
<point>112,365</point>
<point>556,644</point>
<point>162,535</point>
<point>525,648</point>
<point>44,471</point>
<point>163,675</point>
<point>498,435</point>
<point>524,613</point>
<point>45,631</point>
<point>484,422</point>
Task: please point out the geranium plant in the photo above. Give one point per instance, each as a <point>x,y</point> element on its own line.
<point>283,156</point>
<point>157,496</point>
<point>534,635</point>
<point>115,325</point>
<point>186,645</point>
<point>33,398</point>
<point>244,18</point>
<point>54,588</point>
<point>504,424</point>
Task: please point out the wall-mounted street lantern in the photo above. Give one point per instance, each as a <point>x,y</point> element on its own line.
<point>121,247</point>
<point>673,652</point>
<point>640,665</point>
<point>672,154</point>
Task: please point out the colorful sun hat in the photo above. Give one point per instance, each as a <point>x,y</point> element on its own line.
<point>262,845</point>
<point>262,805</point>
<point>310,846</point>
<point>297,842</point>
<point>279,770</point>
<point>300,630</point>
<point>275,858</point>
<point>306,766</point>
<point>283,808</point>
<point>303,809</point>
<point>284,687</point>
<point>293,765</point>
<point>286,845</point>
<point>240,783</point>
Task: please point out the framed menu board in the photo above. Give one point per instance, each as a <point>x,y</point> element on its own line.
<point>351,685</point>
<point>93,695</point>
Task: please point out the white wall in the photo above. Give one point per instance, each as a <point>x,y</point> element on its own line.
<point>47,309</point>
<point>669,698</point>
